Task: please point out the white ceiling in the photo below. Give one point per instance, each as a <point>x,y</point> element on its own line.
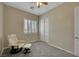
<point>25,6</point>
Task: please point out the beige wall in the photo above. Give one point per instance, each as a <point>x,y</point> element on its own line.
<point>61,26</point>
<point>1,27</point>
<point>14,23</point>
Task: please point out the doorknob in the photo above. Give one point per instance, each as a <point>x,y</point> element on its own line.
<point>76,37</point>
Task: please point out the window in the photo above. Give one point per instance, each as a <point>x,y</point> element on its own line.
<point>30,26</point>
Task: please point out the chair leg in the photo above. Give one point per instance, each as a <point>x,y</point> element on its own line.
<point>15,50</point>
<point>26,50</point>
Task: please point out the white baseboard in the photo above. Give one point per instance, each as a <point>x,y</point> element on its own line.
<point>61,48</point>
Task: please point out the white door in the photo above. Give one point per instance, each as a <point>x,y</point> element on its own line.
<point>76,32</point>
<point>44,29</point>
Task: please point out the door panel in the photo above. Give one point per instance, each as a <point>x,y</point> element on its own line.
<point>76,37</point>
<point>44,29</point>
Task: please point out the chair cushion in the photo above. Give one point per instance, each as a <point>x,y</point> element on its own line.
<point>27,45</point>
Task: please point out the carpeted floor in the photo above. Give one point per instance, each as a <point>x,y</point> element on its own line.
<point>39,49</point>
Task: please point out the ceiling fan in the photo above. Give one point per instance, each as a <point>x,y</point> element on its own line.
<point>39,4</point>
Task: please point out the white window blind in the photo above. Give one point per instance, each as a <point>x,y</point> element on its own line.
<point>30,26</point>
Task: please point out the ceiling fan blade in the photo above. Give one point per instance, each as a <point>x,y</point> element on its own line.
<point>45,3</point>
<point>39,4</point>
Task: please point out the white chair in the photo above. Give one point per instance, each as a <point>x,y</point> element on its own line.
<point>13,41</point>
<point>17,45</point>
<point>27,45</point>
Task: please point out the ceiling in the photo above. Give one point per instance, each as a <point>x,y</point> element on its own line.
<point>25,6</point>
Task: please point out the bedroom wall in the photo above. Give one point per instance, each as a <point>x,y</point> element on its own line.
<point>1,27</point>
<point>14,23</point>
<point>61,26</point>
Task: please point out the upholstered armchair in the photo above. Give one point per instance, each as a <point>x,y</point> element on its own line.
<point>15,44</point>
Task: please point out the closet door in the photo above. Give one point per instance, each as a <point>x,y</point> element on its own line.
<point>44,29</point>
<point>76,32</point>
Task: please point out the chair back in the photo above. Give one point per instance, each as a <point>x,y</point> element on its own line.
<point>12,39</point>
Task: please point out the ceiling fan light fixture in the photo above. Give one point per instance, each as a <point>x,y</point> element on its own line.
<point>39,4</point>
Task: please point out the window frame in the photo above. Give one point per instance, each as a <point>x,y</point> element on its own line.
<point>29,26</point>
